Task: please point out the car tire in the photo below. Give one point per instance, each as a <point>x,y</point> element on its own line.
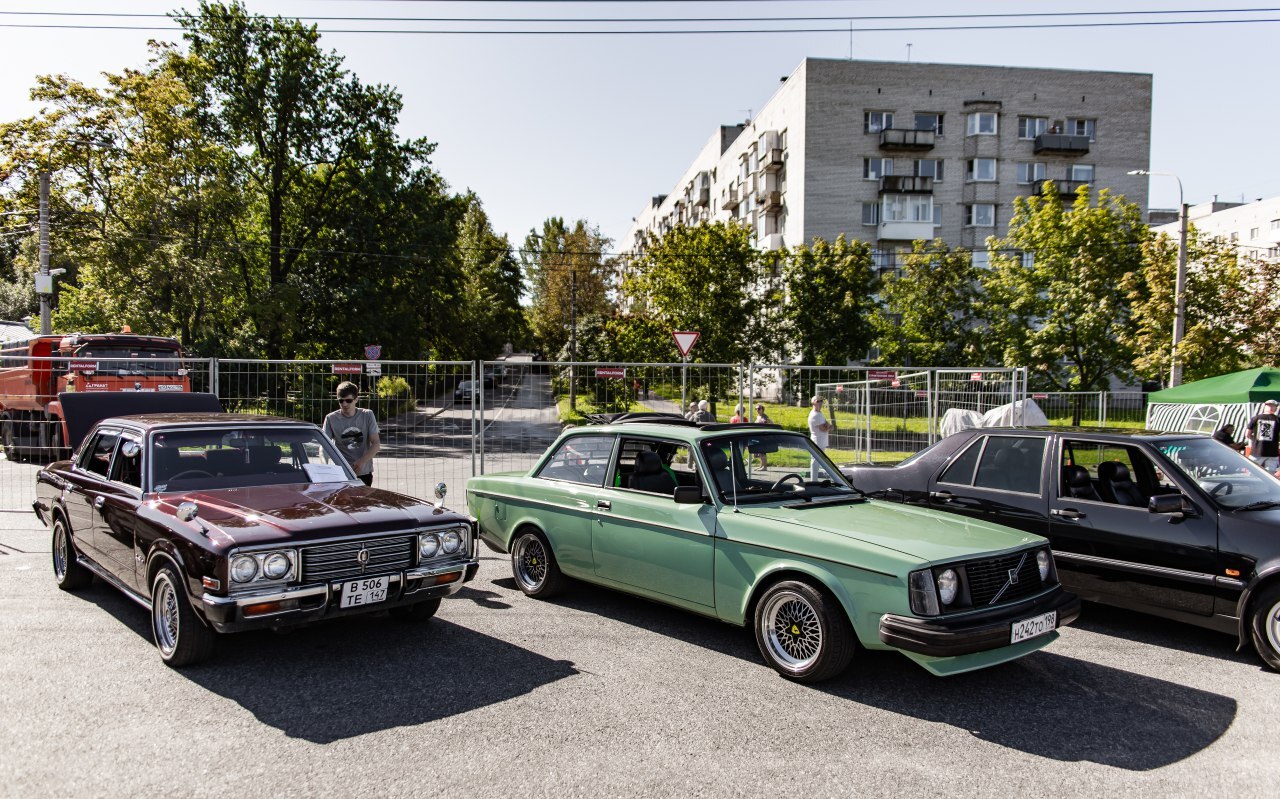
<point>67,571</point>
<point>417,612</point>
<point>181,637</point>
<point>1264,622</point>
<point>534,566</point>
<point>803,632</point>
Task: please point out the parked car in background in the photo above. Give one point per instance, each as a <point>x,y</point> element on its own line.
<point>217,523</point>
<point>1176,525</point>
<point>688,515</point>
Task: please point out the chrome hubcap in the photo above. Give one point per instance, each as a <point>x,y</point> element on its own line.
<point>531,562</point>
<point>60,553</point>
<point>164,615</point>
<point>1273,627</point>
<point>791,630</point>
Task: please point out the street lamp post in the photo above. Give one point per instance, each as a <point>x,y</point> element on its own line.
<point>1179,297</point>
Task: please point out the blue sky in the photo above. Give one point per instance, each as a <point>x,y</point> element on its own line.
<point>591,126</point>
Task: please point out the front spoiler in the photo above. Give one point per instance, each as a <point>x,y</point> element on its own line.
<point>980,633</point>
<point>310,603</point>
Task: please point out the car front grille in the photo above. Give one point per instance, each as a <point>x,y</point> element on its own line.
<point>987,577</point>
<point>341,560</point>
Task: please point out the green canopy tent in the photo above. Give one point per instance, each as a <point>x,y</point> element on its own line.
<point>1206,405</point>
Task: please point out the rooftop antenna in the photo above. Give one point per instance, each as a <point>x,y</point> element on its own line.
<point>748,110</point>
<point>908,52</point>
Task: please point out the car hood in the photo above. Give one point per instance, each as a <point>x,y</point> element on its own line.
<point>305,511</point>
<point>927,535</point>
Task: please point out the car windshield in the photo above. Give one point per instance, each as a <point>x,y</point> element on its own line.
<point>771,466</point>
<point>132,360</point>
<point>1234,481</point>
<point>192,460</point>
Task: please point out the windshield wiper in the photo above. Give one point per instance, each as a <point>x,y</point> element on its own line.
<point>815,502</point>
<point>1262,504</point>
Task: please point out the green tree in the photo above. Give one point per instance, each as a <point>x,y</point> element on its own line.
<point>929,309</point>
<point>490,313</point>
<point>1054,299</point>
<point>568,280</point>
<point>1217,337</point>
<point>831,303</point>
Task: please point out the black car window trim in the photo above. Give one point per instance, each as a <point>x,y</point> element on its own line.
<point>1039,492</point>
<point>978,441</point>
<point>92,446</point>
<point>124,437</point>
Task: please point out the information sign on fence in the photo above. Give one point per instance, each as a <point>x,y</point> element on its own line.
<point>348,368</point>
<point>610,372</point>
<point>881,374</point>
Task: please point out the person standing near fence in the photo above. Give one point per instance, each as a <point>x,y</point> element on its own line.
<point>704,414</point>
<point>354,431</point>
<point>1263,434</point>
<point>819,429</point>
<point>739,415</point>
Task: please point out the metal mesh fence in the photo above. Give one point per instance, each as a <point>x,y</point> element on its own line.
<point>1093,408</point>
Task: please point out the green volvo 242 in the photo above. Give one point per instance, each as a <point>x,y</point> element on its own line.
<point>752,524</point>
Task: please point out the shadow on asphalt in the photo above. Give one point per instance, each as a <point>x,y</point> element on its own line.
<point>348,677</point>
<point>1045,704</point>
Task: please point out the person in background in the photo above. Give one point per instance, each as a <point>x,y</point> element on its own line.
<point>692,413</point>
<point>739,415</point>
<point>1226,435</point>
<point>819,429</point>
<point>1263,436</point>
<point>704,415</point>
<point>763,418</point>
<point>354,431</point>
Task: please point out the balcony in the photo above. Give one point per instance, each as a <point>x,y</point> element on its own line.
<point>1061,144</point>
<point>700,197</point>
<point>771,242</point>
<point>906,184</point>
<point>906,231</point>
<point>731,199</point>
<point>769,200</point>
<point>771,160</point>
<point>902,139</point>
<point>1066,188</point>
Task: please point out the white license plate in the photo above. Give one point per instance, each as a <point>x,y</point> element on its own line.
<point>368,591</point>
<point>1034,626</point>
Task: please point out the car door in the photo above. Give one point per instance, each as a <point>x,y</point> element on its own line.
<point>1121,553</point>
<point>115,522</point>
<point>999,478</point>
<point>83,503</point>
<point>566,494</point>
<point>643,539</point>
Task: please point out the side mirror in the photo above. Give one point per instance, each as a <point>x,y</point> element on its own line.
<point>688,495</point>
<point>1172,504</point>
<point>440,491</point>
<point>130,449</point>
<point>187,511</point>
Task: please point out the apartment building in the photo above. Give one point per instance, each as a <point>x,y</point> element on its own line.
<point>894,152</point>
<point>1253,228</point>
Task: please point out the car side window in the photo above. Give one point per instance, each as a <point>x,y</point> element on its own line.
<point>960,472</point>
<point>1120,475</point>
<point>97,456</point>
<point>580,459</point>
<point>127,467</point>
<point>656,467</point>
<point>1011,463</point>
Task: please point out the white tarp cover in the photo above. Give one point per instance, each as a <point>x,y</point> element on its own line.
<point>1023,413</point>
<point>956,419</point>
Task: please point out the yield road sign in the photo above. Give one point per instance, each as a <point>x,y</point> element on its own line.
<point>685,339</point>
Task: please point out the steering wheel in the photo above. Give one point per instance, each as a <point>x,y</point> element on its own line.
<point>191,473</point>
<point>1227,484</point>
<point>784,478</point>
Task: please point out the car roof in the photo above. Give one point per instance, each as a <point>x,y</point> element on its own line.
<point>150,421</point>
<point>1116,433</point>
<point>670,426</point>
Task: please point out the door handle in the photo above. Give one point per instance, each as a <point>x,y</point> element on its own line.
<point>98,502</point>
<point>1067,513</point>
<point>941,496</point>
<point>603,504</point>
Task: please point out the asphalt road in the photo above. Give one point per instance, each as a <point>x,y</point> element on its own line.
<point>599,694</point>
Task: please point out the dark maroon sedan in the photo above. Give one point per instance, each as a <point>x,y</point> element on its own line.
<point>225,522</point>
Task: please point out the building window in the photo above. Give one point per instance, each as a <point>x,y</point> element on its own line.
<point>980,258</point>
<point>1083,172</point>
<point>1031,172</point>
<point>980,215</point>
<point>929,168</point>
<point>871,213</point>
<point>983,169</point>
<point>937,215</point>
<point>1253,233</point>
<point>1031,127</point>
<point>907,208</point>
<point>931,122</point>
<point>876,168</point>
<point>876,121</point>
<point>1275,224</point>
<point>1083,127</point>
<point>982,123</point>
<point>1028,259</point>
<point>1235,237</point>
<point>882,259</point>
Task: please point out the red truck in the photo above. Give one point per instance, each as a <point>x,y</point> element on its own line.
<point>33,372</point>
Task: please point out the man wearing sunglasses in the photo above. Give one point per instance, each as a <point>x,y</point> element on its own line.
<point>355,431</point>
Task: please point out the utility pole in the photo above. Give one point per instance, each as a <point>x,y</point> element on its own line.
<point>1180,297</point>
<point>44,281</point>
<point>573,333</point>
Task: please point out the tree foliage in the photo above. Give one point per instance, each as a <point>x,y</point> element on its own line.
<point>1062,312</point>
<point>928,309</point>
<point>831,305</point>
<point>568,279</point>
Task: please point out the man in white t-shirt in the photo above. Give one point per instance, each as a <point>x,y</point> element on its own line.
<point>819,430</point>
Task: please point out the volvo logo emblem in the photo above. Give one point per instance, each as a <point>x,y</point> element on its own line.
<point>362,557</point>
<point>1013,575</point>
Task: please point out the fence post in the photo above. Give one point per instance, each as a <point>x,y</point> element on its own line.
<point>1102,409</point>
<point>477,440</point>
<point>213,377</point>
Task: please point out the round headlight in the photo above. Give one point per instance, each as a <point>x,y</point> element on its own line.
<point>428,546</point>
<point>450,541</point>
<point>243,569</point>
<point>276,566</point>
<point>948,585</point>
<point>1044,560</point>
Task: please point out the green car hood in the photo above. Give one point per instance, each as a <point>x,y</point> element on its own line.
<point>927,535</point>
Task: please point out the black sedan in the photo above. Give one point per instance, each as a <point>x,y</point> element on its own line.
<point>1175,525</point>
